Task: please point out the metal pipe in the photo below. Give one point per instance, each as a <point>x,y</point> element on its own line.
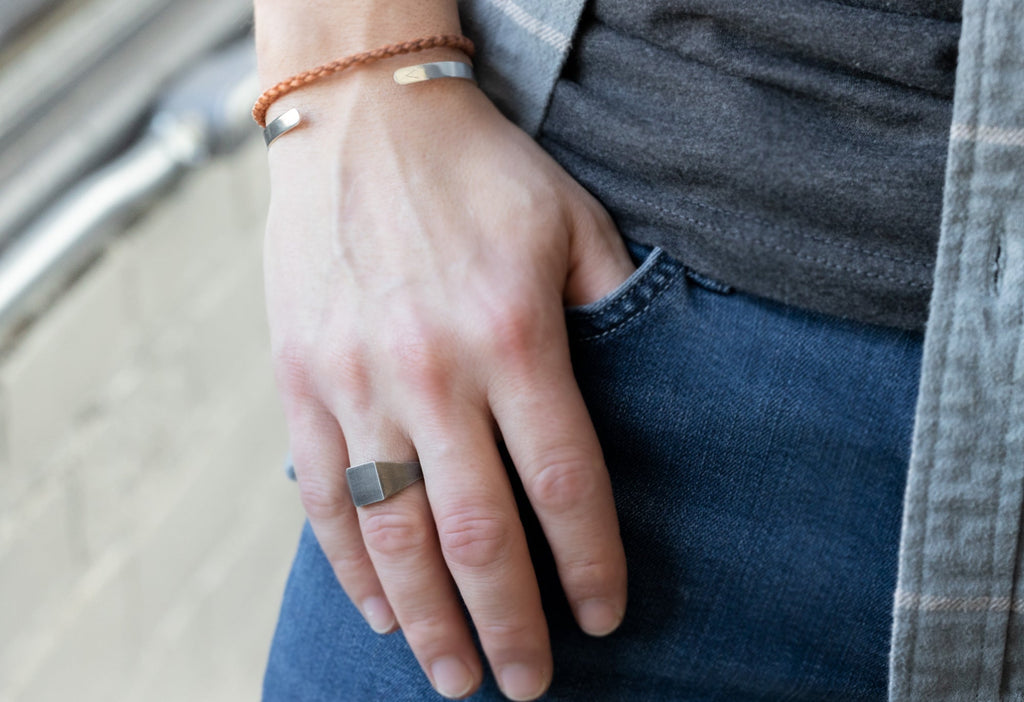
<point>203,115</point>
<point>78,91</point>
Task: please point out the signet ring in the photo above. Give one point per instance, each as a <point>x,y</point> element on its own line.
<point>376,481</point>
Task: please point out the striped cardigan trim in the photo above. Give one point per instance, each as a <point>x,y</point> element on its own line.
<point>546,33</point>
<point>996,136</point>
<point>945,603</point>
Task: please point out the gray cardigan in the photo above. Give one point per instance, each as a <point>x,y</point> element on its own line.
<point>959,606</point>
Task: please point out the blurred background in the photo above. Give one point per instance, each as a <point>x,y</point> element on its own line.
<point>145,524</point>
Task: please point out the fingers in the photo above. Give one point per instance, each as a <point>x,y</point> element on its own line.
<point>320,457</point>
<point>553,445</point>
<point>484,547</point>
<point>469,529</point>
<point>467,538</point>
<point>402,542</point>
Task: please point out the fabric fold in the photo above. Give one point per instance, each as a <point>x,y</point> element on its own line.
<point>959,614</point>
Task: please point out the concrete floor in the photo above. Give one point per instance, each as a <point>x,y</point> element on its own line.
<point>145,525</point>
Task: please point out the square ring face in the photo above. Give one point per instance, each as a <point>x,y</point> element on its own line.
<point>364,484</point>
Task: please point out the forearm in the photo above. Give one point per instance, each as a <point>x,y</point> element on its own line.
<point>293,36</point>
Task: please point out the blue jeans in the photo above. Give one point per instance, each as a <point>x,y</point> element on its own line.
<point>758,455</point>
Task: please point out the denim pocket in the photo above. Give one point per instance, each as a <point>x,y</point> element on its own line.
<point>655,272</point>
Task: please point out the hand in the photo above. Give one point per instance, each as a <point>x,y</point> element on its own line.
<point>419,252</point>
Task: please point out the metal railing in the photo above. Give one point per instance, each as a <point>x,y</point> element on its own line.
<point>203,114</point>
<point>14,14</point>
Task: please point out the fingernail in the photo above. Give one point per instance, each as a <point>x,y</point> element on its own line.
<point>378,614</point>
<point>598,617</point>
<point>451,677</point>
<point>521,682</point>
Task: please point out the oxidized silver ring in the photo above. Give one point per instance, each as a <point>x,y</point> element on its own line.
<point>376,481</point>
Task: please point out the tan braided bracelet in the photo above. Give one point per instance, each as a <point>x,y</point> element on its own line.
<point>454,41</point>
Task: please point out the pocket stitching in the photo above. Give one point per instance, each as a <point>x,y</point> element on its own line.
<point>659,289</point>
<point>634,279</point>
<point>639,313</point>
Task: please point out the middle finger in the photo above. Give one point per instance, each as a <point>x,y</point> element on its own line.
<point>484,545</point>
<point>402,543</point>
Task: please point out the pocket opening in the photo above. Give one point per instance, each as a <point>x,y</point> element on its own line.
<point>655,273</point>
<point>644,257</point>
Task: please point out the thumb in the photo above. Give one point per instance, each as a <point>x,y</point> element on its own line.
<point>598,259</point>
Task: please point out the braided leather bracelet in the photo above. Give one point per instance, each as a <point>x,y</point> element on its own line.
<point>454,41</point>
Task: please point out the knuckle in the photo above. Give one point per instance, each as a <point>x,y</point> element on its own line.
<point>473,539</point>
<point>305,372</point>
<point>510,632</point>
<point>419,357</point>
<point>351,560</point>
<point>512,331</point>
<point>322,498</point>
<point>430,633</point>
<point>345,369</point>
<point>352,566</point>
<point>590,577</point>
<point>560,482</point>
<point>393,534</point>
<point>292,369</point>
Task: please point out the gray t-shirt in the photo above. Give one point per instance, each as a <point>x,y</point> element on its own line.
<point>793,149</point>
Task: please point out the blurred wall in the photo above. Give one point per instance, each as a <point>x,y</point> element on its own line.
<point>145,525</point>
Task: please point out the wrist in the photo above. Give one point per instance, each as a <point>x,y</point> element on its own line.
<point>366,112</point>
